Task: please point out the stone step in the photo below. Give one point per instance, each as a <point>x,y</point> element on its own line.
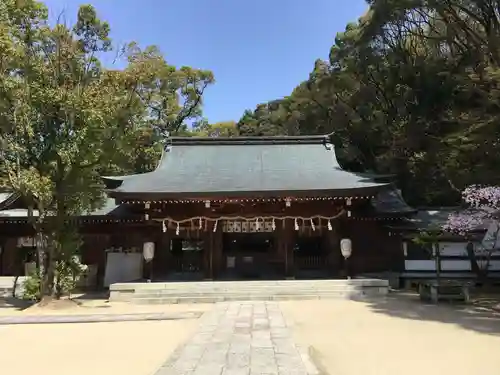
<point>151,293</point>
<point>256,287</point>
<point>228,296</point>
<point>213,299</point>
<point>273,287</point>
<point>252,290</point>
<point>254,284</point>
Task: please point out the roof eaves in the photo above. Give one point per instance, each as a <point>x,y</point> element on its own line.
<point>358,191</point>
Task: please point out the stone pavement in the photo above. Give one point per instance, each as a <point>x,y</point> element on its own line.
<point>94,318</point>
<point>240,338</point>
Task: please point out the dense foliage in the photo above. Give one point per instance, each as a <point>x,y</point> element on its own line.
<point>65,119</point>
<point>412,89</point>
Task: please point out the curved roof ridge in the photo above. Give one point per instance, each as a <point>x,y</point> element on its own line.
<point>250,140</point>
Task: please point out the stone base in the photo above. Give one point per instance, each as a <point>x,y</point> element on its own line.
<point>218,291</point>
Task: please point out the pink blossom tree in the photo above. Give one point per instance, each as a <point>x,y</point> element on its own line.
<point>483,208</point>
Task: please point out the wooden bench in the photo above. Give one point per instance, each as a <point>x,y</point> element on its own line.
<point>451,290</point>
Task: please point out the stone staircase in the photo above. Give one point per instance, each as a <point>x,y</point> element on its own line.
<point>219,291</point>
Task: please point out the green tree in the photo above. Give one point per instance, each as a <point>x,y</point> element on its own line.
<point>219,129</point>
<point>410,89</point>
<point>65,119</point>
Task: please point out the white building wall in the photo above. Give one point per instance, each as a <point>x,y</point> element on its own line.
<point>449,249</point>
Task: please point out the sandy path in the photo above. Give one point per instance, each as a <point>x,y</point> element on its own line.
<point>131,348</point>
<point>135,348</point>
<point>397,337</point>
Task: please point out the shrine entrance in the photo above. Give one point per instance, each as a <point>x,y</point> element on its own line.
<point>247,255</point>
<point>311,257</point>
<point>186,258</point>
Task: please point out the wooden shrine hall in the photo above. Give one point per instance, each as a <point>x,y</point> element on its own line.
<point>234,208</point>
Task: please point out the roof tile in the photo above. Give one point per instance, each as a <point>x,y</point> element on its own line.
<point>243,165</point>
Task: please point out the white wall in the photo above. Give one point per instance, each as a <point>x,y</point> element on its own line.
<point>122,267</point>
<point>420,265</point>
<point>450,249</point>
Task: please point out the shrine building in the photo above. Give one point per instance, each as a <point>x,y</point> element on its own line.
<point>231,209</point>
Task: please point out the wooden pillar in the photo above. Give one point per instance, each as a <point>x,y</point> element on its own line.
<point>213,259</point>
<point>288,245</point>
<point>105,242</point>
<point>218,259</point>
<point>332,248</point>
<point>275,257</point>
<point>279,249</point>
<point>208,252</point>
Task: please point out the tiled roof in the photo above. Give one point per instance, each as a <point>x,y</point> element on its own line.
<point>259,166</point>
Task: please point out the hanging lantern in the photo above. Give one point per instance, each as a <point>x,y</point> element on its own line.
<point>329,225</point>
<point>288,202</point>
<point>148,251</point>
<point>346,247</point>
<point>348,213</point>
<point>296,224</point>
<point>164,227</point>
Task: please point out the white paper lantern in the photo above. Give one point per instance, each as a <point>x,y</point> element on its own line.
<point>346,247</point>
<point>148,251</point>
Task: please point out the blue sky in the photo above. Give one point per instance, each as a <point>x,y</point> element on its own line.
<point>259,50</point>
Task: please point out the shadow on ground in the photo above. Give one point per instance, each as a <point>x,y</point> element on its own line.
<point>100,299</point>
<point>100,295</point>
<point>77,299</point>
<point>16,303</point>
<point>480,316</point>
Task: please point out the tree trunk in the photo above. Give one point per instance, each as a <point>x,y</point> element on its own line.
<point>471,254</point>
<point>57,285</point>
<point>41,244</point>
<point>14,287</point>
<point>18,270</point>
<point>47,281</point>
<point>437,257</point>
